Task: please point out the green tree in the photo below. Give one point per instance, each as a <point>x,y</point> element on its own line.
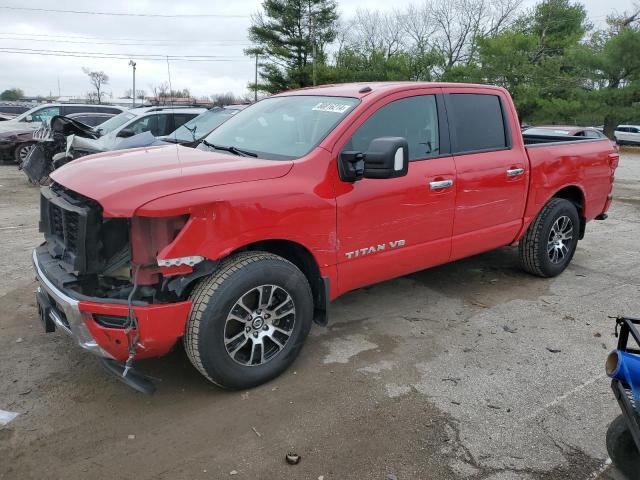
<point>12,94</point>
<point>285,36</point>
<point>614,70</point>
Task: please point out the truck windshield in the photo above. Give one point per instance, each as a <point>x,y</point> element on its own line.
<point>282,128</point>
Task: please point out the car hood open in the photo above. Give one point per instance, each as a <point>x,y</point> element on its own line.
<point>122,181</point>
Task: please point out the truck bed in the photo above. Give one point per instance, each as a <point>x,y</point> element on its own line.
<point>533,140</point>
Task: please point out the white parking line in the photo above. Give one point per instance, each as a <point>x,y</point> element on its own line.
<point>562,397</point>
<point>6,417</point>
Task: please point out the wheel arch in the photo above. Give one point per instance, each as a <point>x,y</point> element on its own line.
<point>575,195</point>
<point>302,258</point>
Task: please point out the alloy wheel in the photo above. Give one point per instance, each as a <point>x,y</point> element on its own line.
<point>259,325</point>
<point>559,239</point>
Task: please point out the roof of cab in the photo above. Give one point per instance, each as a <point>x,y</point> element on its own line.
<point>360,90</point>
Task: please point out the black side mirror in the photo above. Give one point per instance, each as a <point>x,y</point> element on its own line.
<point>126,133</point>
<point>386,157</point>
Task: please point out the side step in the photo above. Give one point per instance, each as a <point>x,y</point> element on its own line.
<point>134,379</point>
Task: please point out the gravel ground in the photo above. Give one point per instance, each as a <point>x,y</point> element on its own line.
<point>473,370</point>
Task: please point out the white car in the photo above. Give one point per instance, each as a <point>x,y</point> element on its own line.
<point>627,134</point>
<point>158,121</point>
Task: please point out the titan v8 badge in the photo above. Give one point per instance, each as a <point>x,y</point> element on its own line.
<point>381,247</point>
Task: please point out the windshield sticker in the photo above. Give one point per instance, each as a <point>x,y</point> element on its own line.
<point>331,107</point>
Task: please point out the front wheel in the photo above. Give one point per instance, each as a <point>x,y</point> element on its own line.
<point>549,243</point>
<point>22,151</point>
<point>248,320</point>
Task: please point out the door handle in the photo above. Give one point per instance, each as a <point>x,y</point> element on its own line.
<point>514,172</point>
<point>440,184</point>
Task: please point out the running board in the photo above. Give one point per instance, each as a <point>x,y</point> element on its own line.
<point>134,379</point>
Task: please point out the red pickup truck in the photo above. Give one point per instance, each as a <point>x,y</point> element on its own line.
<point>236,247</point>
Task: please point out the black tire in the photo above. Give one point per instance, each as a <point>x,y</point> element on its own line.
<point>622,449</point>
<point>533,247</point>
<point>21,152</point>
<point>215,297</point>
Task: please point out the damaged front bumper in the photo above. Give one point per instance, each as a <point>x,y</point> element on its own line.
<point>97,324</point>
<point>64,311</point>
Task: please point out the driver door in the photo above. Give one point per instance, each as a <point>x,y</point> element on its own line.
<point>391,227</point>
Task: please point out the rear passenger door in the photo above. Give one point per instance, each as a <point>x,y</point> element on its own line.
<point>492,175</point>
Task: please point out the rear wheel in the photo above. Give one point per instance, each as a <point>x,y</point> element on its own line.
<point>22,151</point>
<point>248,320</point>
<point>622,449</point>
<point>549,243</point>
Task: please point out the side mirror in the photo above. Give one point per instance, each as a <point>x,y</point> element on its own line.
<point>28,118</point>
<point>126,133</point>
<point>386,157</point>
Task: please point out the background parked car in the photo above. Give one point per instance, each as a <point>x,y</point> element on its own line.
<point>564,131</point>
<point>13,110</point>
<point>91,119</point>
<point>14,134</point>
<point>192,132</point>
<point>627,134</point>
<point>158,121</point>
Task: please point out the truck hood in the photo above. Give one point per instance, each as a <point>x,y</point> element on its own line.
<point>123,181</point>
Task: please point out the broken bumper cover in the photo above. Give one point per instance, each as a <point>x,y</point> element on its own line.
<point>66,313</point>
<point>160,325</point>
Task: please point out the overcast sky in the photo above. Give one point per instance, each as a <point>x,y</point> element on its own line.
<point>222,38</point>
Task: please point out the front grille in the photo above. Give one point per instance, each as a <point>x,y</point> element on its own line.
<point>71,225</point>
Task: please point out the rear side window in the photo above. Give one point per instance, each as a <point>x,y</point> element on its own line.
<point>67,109</point>
<point>107,110</point>
<point>478,122</point>
<point>592,134</point>
<point>413,118</point>
<point>180,119</point>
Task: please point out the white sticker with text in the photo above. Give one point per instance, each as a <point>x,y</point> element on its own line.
<point>331,107</point>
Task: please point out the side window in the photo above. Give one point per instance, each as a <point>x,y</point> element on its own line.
<point>107,110</point>
<point>179,119</point>
<point>413,118</point>
<point>45,113</point>
<point>634,130</point>
<point>76,109</point>
<point>89,120</point>
<point>145,124</point>
<point>478,122</point>
<point>591,134</point>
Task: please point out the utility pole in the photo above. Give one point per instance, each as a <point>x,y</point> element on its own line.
<point>255,85</point>
<point>133,64</point>
<point>59,95</point>
<point>313,39</point>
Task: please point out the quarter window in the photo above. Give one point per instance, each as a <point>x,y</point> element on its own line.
<point>413,118</point>
<point>478,122</point>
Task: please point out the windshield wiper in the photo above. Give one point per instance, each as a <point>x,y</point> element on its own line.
<point>232,149</point>
<point>193,131</point>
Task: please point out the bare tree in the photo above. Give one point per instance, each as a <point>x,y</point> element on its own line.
<point>375,31</point>
<point>419,26</point>
<point>98,79</point>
